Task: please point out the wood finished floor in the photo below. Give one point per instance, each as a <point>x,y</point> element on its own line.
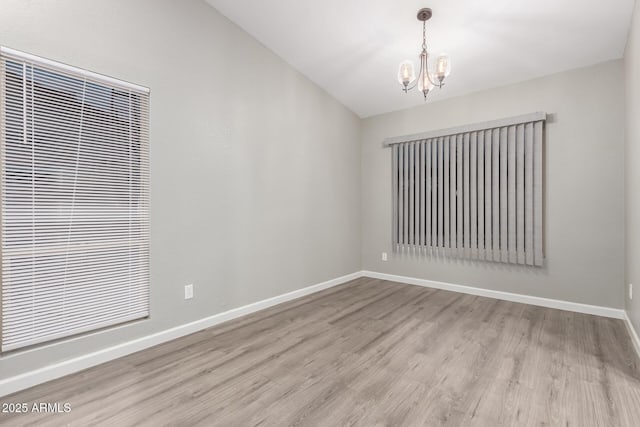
<point>367,353</point>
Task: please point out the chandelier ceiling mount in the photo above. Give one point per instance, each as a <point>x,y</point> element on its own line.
<point>425,14</point>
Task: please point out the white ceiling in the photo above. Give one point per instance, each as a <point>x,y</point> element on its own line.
<point>352,48</point>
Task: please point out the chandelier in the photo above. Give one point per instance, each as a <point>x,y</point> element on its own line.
<point>427,79</point>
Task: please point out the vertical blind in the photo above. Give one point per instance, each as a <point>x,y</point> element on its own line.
<point>471,192</point>
<point>74,150</point>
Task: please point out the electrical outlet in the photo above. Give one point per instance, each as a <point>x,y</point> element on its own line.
<point>188,291</point>
<point>384,256</point>
<point>630,290</point>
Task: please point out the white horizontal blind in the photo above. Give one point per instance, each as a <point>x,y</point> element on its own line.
<point>75,201</point>
<point>473,192</point>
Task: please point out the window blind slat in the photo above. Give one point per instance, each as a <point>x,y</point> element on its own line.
<point>94,323</point>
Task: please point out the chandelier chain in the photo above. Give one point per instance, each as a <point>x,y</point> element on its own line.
<point>424,35</point>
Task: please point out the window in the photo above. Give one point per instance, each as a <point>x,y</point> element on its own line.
<point>75,200</point>
<point>471,192</point>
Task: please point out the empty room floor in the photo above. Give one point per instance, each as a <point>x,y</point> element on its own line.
<point>368,352</point>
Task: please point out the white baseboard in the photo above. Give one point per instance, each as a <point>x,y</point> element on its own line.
<point>60,369</point>
<point>632,333</point>
<point>507,296</point>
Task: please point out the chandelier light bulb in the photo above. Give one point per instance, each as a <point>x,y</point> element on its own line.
<point>443,66</point>
<point>424,84</point>
<point>406,73</point>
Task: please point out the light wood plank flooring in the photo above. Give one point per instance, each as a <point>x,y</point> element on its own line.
<point>367,353</point>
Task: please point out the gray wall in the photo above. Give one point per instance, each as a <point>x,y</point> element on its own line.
<point>632,169</point>
<point>584,196</point>
<point>255,170</point>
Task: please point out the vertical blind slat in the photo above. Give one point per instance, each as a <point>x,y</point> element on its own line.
<point>435,228</point>
<point>420,203</point>
<point>473,183</point>
<point>423,193</point>
<point>453,203</point>
<point>467,197</point>
<point>405,198</point>
<point>440,193</point>
<point>427,195</point>
<point>537,194</point>
<point>446,163</point>
<point>416,200</point>
<point>401,195</point>
<point>520,199</point>
<point>459,203</point>
<point>419,200</point>
<point>488,220</point>
<point>412,186</point>
<point>504,256</point>
<point>495,193</point>
<point>394,192</point>
<point>513,141</point>
<point>528,202</point>
<point>481,203</point>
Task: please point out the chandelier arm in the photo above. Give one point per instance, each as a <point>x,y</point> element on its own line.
<point>439,84</point>
<point>412,86</point>
<point>419,75</point>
